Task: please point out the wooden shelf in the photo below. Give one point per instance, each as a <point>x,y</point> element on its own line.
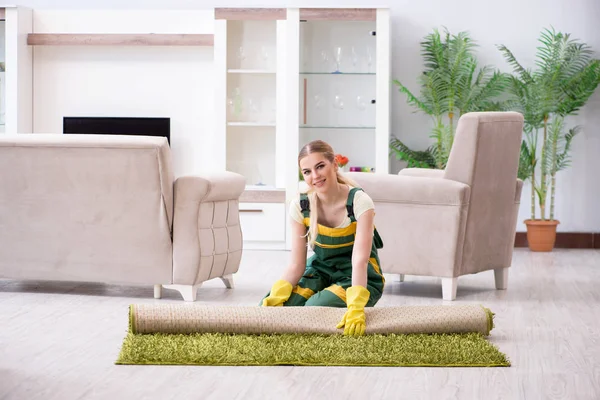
<point>115,39</point>
<point>246,14</point>
<point>338,14</point>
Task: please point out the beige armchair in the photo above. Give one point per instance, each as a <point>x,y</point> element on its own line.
<point>457,221</point>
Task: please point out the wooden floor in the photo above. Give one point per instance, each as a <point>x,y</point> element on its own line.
<point>60,340</point>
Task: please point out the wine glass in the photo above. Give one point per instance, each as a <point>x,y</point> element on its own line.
<point>337,52</point>
<point>354,57</point>
<point>369,59</point>
<point>361,105</point>
<point>318,99</point>
<point>338,104</point>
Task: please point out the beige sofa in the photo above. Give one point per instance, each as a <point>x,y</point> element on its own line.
<point>104,208</point>
<point>458,221</point>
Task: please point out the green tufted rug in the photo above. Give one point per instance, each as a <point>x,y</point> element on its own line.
<point>230,335</point>
<point>411,350</point>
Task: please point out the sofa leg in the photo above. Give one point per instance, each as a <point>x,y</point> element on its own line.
<point>188,292</point>
<point>401,278</point>
<point>228,281</point>
<point>449,286</point>
<point>157,291</point>
<point>501,278</point>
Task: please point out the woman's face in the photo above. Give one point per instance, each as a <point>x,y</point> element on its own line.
<point>319,173</point>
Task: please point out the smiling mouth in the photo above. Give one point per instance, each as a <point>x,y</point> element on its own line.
<point>319,183</point>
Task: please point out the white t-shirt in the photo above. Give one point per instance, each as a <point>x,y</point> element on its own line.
<point>362,203</point>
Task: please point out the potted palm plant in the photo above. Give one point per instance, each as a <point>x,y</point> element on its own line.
<point>451,85</point>
<point>565,77</point>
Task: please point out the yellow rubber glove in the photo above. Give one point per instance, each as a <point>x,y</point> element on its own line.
<point>280,292</point>
<point>354,320</point>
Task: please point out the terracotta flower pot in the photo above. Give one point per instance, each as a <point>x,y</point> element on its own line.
<point>541,235</point>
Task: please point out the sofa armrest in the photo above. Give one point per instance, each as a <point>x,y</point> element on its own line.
<point>421,221</point>
<point>207,237</point>
<point>214,187</point>
<point>423,172</point>
<point>412,189</point>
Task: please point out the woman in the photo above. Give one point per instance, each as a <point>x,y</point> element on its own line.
<point>335,218</point>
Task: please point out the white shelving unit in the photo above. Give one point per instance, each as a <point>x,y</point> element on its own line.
<point>289,76</point>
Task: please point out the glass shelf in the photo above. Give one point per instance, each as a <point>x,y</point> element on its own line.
<point>335,127</point>
<point>337,73</point>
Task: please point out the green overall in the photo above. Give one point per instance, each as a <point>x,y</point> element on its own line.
<point>329,271</point>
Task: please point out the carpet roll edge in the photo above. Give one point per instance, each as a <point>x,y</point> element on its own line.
<point>490,319</point>
<point>132,327</point>
<point>487,326</point>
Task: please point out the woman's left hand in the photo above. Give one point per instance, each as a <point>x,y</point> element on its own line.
<point>354,320</point>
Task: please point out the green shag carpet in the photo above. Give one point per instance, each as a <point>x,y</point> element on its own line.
<point>412,350</point>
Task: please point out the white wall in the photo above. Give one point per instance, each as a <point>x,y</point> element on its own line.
<point>515,23</point>
<point>135,81</point>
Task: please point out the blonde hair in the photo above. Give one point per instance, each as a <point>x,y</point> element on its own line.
<point>319,146</point>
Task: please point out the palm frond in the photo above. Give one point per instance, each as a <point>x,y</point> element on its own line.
<point>433,50</point>
<point>419,159</point>
<point>579,87</point>
<point>435,91</point>
<point>552,143</point>
<point>412,99</point>
<point>563,158</point>
<point>489,88</point>
<point>524,74</point>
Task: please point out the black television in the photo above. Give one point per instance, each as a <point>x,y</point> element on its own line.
<point>143,126</point>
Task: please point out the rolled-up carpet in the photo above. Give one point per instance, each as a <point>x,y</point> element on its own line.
<point>190,318</point>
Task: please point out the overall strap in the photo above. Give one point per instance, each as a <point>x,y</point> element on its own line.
<point>304,205</point>
<point>350,204</point>
<point>350,207</point>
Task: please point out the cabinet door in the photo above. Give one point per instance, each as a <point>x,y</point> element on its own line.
<point>263,224</point>
<point>338,88</point>
<point>251,100</point>
<point>344,84</point>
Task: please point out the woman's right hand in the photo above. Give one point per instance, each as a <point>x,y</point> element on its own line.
<point>280,293</point>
